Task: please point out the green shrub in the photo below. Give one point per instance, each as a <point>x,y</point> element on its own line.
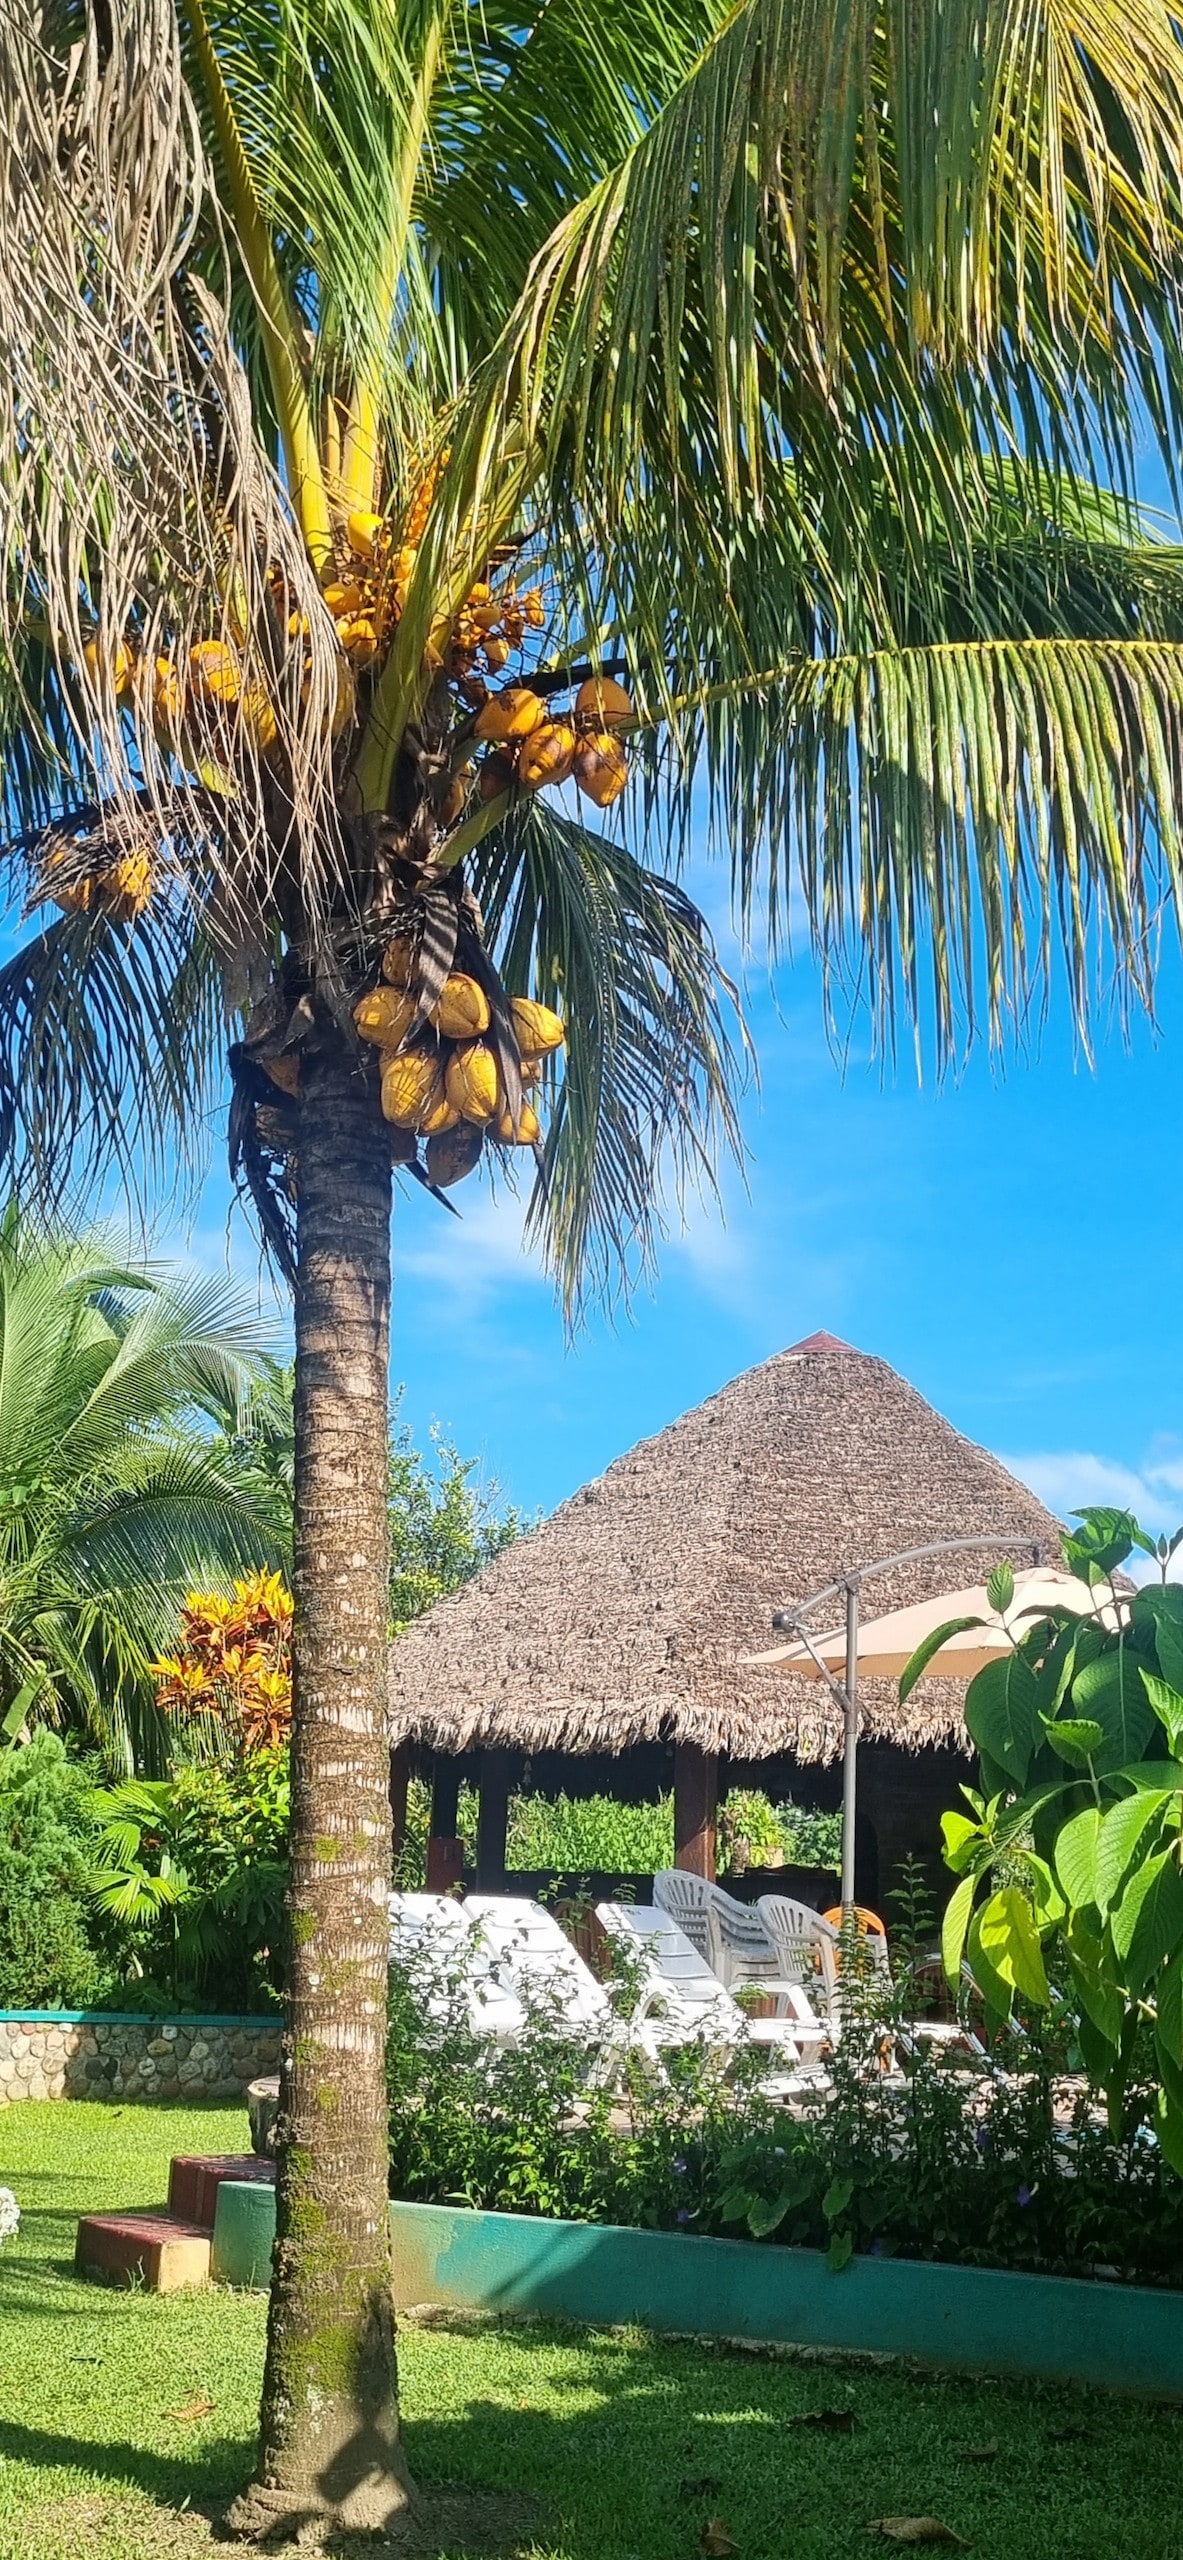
<point>193,1871</point>
<point>48,1955</point>
<point>972,2164</point>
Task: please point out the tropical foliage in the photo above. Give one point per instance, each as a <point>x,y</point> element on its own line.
<point>112,1502</point>
<point>190,1877</point>
<point>232,1667</point>
<point>48,1955</point>
<point>1071,1888</point>
<point>772,358</point>
<point>968,2164</point>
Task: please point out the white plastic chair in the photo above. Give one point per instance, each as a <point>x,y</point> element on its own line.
<point>433,1941</point>
<point>683,2001</point>
<point>806,1949</point>
<point>727,1934</point>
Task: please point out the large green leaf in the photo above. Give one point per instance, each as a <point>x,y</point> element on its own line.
<point>1076,1856</point>
<point>954,1927</point>
<point>1123,1830</point>
<point>1112,1692</point>
<point>1009,1939</point>
<point>1148,1922</point>
<point>1002,1713</point>
<point>1162,1603</point>
<point>1099,1994</point>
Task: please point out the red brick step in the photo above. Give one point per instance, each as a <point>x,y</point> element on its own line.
<point>195,2177</point>
<point>156,2250</point>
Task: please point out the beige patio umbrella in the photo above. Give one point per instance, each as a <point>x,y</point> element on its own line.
<point>881,1648</point>
<point>886,1645</point>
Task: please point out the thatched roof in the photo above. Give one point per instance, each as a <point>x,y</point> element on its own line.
<point>623,1618</point>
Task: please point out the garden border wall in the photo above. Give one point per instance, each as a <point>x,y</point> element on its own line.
<point>104,2053</point>
<point>978,2319</point>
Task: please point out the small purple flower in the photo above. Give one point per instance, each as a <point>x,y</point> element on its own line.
<point>682,2215</point>
<point>1023,2195</point>
<point>982,2137</point>
<point>680,2168</point>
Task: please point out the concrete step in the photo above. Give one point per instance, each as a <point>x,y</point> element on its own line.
<point>195,2177</point>
<point>155,2250</point>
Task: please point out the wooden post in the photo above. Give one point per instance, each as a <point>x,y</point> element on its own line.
<point>492,1820</point>
<point>696,1802</point>
<point>445,1858</point>
<point>400,1769</point>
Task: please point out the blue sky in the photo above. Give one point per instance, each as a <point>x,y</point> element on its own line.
<point>1011,1241</point>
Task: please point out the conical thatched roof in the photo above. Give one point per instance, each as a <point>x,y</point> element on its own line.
<point>623,1618</point>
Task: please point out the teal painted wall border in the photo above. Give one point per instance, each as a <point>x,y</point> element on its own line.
<point>977,2319</point>
<point>130,2018</point>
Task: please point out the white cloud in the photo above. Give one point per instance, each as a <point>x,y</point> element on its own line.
<point>470,1259</point>
<point>1069,1479</point>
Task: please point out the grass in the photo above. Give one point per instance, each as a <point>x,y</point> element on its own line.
<point>627,2446</point>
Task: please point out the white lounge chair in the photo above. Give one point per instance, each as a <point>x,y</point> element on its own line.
<point>451,1975</point>
<point>682,2001</point>
<point>807,1950</point>
<point>538,1962</point>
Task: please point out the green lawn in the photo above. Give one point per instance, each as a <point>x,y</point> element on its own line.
<point>627,2446</point>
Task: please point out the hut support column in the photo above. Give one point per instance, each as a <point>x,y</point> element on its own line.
<point>696,1806</point>
<point>493,1820</point>
<point>400,1770</point>
<point>445,1858</point>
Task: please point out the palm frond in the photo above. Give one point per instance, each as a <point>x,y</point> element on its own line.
<point>110,1042</point>
<point>651,1063</point>
<point>137,509</point>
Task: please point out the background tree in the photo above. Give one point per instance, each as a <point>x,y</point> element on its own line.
<point>767,356</point>
<point>112,1501</point>
<point>446,1521</point>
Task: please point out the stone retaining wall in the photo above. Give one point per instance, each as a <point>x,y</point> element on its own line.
<point>64,2054</point>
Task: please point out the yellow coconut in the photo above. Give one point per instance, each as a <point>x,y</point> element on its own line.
<point>472,1081</point>
<point>118,667</point>
<point>214,671</point>
<point>168,694</point>
<point>407,1086</point>
<point>259,719</point>
<point>126,888</point>
<point>534,609</point>
<point>440,1113</point>
<point>397,959</point>
<point>547,756</point>
<point>384,1016</point>
<point>600,767</point>
<point>513,713</point>
<point>527,1131</point>
<point>359,639</point>
<point>602,701</point>
<point>344,599</point>
<point>463,1009</point>
<point>453,801</point>
<point>74,897</point>
<point>365,534</point>
<point>538,1029</point>
<point>496,654</point>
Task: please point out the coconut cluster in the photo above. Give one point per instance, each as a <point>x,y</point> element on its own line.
<point>441,1079</point>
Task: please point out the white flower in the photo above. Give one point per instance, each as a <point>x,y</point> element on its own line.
<point>10,2213</point>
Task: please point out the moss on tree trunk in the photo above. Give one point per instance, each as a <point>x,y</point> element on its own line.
<point>329,2429</point>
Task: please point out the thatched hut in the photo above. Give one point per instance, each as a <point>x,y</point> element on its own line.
<point>618,1627</point>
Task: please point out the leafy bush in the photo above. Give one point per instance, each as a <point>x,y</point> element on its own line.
<point>967,2164</point>
<point>48,1958</point>
<point>580,1835</point>
<point>193,1870</point>
<point>1070,1852</point>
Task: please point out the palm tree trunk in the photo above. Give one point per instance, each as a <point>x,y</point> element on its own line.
<point>329,2431</point>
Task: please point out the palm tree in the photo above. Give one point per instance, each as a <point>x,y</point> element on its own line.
<point>112,1501</point>
<point>775,358</point>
